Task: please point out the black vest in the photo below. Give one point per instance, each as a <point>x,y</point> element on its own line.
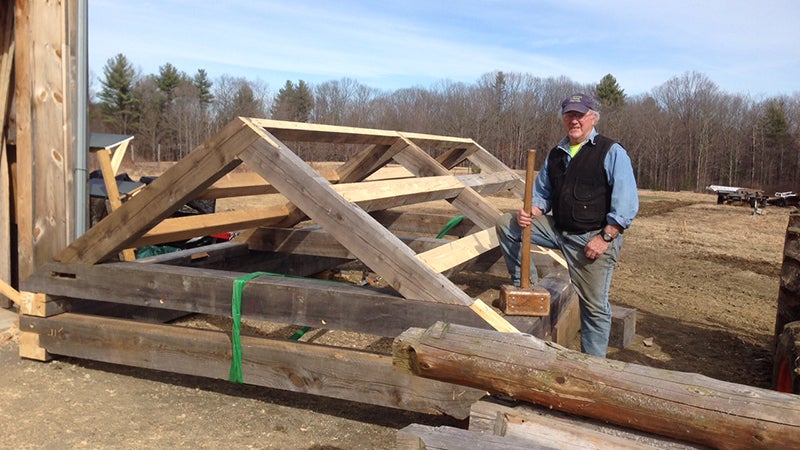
<point>581,193</point>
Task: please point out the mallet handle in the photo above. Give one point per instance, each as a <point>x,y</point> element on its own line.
<point>525,270</point>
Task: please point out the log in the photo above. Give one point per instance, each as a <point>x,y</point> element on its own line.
<point>684,406</point>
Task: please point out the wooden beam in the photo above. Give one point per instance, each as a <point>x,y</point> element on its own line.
<point>455,155</point>
<point>423,437</point>
<point>540,426</point>
<point>369,161</point>
<point>10,293</point>
<point>281,364</point>
<point>684,406</point>
<point>298,301</point>
<point>469,202</point>
<point>181,183</point>
<point>488,163</point>
<point>110,182</point>
<point>23,85</point>
<point>307,132</point>
<point>460,251</point>
<point>380,195</point>
<point>187,227</point>
<point>6,188</point>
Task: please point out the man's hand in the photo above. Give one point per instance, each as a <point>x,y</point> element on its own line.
<point>524,219</point>
<point>596,247</point>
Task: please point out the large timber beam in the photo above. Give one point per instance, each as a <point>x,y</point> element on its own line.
<point>297,301</point>
<point>281,364</point>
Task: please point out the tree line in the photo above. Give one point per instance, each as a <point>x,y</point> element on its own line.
<point>682,135</point>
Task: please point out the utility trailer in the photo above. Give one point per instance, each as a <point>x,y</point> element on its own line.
<point>784,199</point>
<point>732,195</point>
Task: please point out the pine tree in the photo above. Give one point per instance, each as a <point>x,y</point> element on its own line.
<point>611,97</point>
<point>118,103</point>
<point>168,79</point>
<point>203,85</point>
<point>293,103</point>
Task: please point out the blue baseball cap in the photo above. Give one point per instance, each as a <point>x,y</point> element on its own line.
<point>581,103</point>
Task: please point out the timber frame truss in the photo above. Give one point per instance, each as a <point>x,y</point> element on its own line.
<point>74,306</point>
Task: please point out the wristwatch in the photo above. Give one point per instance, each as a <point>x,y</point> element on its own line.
<point>607,236</point>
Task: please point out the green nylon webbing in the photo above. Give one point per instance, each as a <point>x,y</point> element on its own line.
<point>236,312</point>
<point>449,226</point>
<point>235,375</point>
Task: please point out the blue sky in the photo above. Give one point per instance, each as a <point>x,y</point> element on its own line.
<point>744,46</point>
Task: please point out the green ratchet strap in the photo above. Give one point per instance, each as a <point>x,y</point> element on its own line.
<point>449,226</point>
<point>235,375</point>
<point>236,312</point>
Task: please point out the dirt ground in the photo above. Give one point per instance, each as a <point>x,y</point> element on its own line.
<point>703,278</point>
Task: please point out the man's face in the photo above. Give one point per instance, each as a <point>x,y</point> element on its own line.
<point>578,125</point>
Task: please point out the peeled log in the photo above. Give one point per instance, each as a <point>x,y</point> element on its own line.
<point>684,406</point>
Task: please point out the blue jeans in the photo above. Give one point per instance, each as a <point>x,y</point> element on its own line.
<point>591,278</point>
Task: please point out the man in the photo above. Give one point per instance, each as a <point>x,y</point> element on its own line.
<point>587,183</point>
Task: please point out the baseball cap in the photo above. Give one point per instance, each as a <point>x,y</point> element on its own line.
<point>578,102</point>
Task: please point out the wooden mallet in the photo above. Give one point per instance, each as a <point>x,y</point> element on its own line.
<point>524,300</point>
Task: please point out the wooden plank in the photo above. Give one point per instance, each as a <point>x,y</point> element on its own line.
<point>375,195</point>
<point>489,183</point>
<point>423,437</point>
<point>374,245</point>
<point>54,164</point>
<point>179,184</point>
<point>119,154</point>
<point>308,132</point>
<point>553,429</point>
<point>488,163</point>
<point>318,242</point>
<point>187,227</point>
<point>23,68</point>
<point>238,184</point>
<point>368,161</point>
<point>469,202</point>
<point>456,155</point>
<point>110,182</point>
<point>9,292</point>
<point>298,301</point>
<point>6,99</point>
<point>683,406</point>
<point>280,364</point>
<point>460,251</point>
<point>7,295</point>
<point>380,195</point>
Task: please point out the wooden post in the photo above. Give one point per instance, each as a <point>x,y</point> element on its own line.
<point>44,34</point>
<point>684,406</point>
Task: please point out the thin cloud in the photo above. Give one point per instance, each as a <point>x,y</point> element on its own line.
<point>643,44</point>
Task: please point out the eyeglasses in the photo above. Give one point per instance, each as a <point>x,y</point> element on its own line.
<point>575,115</point>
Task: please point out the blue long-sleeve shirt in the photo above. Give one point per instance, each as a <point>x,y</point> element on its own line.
<point>624,194</point>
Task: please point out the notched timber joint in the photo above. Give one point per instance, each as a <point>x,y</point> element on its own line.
<point>63,275</point>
